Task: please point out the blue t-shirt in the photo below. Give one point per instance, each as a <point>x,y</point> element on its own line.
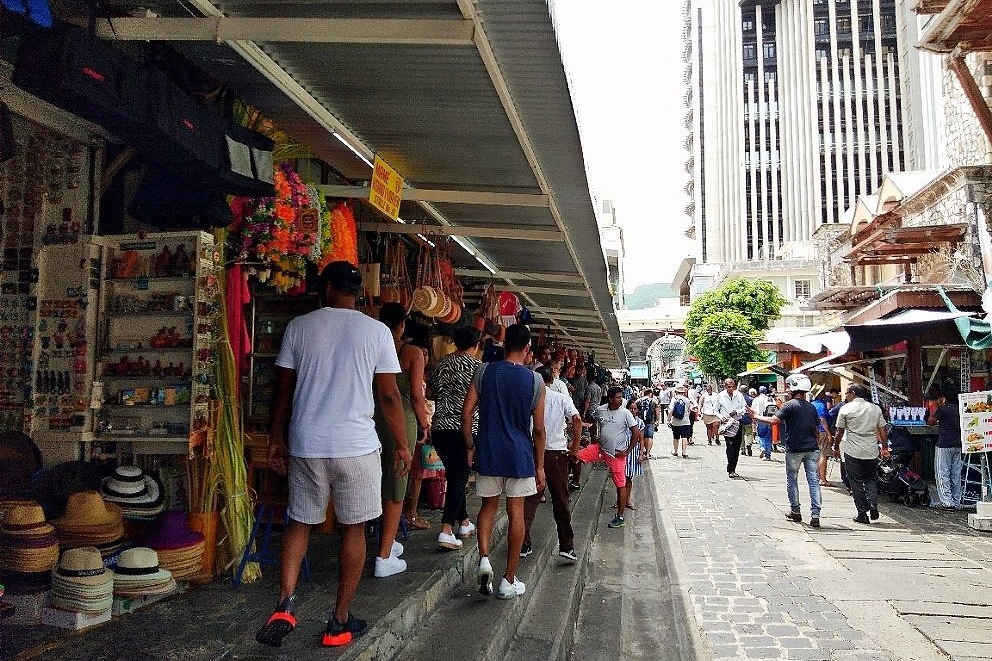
<point>821,410</point>
<point>508,394</point>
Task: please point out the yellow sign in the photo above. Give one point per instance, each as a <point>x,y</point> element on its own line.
<point>387,189</point>
<point>755,368</point>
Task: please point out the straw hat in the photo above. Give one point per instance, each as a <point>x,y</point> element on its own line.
<point>87,509</point>
<point>82,567</point>
<point>138,573</point>
<point>25,520</point>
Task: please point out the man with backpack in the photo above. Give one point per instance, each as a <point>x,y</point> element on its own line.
<point>647,410</point>
<point>801,435</point>
<point>680,412</point>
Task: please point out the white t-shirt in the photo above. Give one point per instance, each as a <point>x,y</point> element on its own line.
<point>561,387</point>
<point>558,412</point>
<point>335,353</point>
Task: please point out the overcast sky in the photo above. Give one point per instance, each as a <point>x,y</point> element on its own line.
<point>624,60</point>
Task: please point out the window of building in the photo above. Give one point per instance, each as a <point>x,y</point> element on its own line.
<point>769,76</point>
<point>820,27</point>
<point>750,51</point>
<point>888,22</point>
<point>821,53</point>
<point>844,24</point>
<point>747,25</point>
<point>769,50</point>
<point>802,289</point>
<point>843,52</point>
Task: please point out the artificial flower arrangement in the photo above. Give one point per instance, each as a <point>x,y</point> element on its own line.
<point>276,236</point>
<point>343,236</point>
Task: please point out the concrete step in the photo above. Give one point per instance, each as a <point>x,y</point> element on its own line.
<point>537,625</point>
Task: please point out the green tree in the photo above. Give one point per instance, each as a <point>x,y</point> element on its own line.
<point>724,351</point>
<point>724,342</point>
<point>759,301</point>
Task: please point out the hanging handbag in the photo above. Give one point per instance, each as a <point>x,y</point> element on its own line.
<point>370,268</point>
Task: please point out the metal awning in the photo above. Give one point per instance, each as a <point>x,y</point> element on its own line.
<point>467,100</point>
<point>770,368</point>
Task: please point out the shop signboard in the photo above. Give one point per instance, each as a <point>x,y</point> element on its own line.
<point>639,371</point>
<point>387,188</point>
<point>975,409</point>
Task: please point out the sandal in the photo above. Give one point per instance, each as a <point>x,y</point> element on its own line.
<point>631,507</point>
<point>675,454</point>
<point>418,523</point>
<point>280,625</point>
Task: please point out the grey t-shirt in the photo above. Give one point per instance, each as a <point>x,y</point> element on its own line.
<point>860,419</point>
<point>613,428</point>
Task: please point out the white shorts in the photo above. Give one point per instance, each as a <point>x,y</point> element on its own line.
<point>487,486</point>
<point>354,482</point>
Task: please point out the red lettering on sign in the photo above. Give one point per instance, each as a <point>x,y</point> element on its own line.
<point>95,75</point>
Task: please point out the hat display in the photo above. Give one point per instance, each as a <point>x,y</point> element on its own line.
<point>29,548</point>
<point>139,495</point>
<point>89,521</point>
<point>81,583</point>
<point>179,548</point>
<point>138,574</point>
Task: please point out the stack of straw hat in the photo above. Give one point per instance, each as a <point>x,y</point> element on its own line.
<point>180,549</point>
<point>81,583</point>
<point>89,521</point>
<point>139,496</point>
<point>29,548</point>
<point>138,574</point>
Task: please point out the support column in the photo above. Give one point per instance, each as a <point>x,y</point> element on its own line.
<point>914,372</point>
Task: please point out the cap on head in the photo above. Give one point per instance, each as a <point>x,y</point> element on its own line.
<point>343,277</point>
<point>762,390</point>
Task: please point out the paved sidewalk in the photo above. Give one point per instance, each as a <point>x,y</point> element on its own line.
<point>917,584</point>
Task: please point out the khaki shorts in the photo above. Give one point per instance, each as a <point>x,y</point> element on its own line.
<point>488,486</point>
<point>826,445</point>
<point>353,482</point>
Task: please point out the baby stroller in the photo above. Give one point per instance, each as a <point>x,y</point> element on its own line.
<point>900,482</point>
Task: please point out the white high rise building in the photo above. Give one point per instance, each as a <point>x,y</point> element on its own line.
<point>795,108</point>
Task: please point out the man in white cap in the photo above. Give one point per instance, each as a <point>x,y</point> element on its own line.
<point>802,447</point>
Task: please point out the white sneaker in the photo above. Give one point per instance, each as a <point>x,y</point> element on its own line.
<point>466,531</point>
<point>485,577</point>
<point>397,549</point>
<point>389,566</point>
<point>508,590</point>
<point>448,541</point>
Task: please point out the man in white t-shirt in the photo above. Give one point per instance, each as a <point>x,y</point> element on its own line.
<point>329,362</point>
<point>563,429</point>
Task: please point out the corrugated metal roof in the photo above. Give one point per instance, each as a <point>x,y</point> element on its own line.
<point>492,115</point>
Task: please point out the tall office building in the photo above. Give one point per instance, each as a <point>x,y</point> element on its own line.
<point>795,108</point>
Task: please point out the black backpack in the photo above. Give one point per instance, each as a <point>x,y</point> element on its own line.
<point>646,407</point>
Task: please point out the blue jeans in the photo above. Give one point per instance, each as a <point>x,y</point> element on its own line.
<point>793,460</point>
<point>765,443</point>
<point>947,469</point>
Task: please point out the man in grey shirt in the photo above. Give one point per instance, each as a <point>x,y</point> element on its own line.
<point>861,426</point>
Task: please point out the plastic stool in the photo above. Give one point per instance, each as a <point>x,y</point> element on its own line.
<point>265,554</point>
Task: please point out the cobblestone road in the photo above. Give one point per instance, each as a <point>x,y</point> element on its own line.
<point>917,584</point>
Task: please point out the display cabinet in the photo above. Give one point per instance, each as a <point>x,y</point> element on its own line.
<point>159,304</point>
<point>269,314</point>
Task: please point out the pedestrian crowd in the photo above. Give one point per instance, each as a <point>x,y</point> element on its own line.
<point>360,419</point>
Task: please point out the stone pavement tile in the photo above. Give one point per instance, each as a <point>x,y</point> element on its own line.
<point>958,629</point>
<point>808,654</point>
<point>763,653</point>
<point>726,652</point>
<point>795,643</point>
<point>782,630</point>
<point>757,641</point>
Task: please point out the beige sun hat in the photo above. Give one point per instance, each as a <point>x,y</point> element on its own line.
<point>82,567</point>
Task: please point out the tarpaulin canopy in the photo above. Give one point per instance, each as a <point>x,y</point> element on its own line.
<point>903,325</point>
<point>976,333</point>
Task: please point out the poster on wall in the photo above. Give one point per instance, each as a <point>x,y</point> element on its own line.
<point>975,409</point>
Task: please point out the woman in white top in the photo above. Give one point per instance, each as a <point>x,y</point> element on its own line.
<point>708,409</point>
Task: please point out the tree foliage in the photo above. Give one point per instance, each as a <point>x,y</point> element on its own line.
<point>725,342</point>
<point>723,326</point>
<point>759,301</point>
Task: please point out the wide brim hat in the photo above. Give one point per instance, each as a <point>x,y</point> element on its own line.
<point>131,488</point>
<point>87,509</point>
<point>81,605</point>
<point>171,531</point>
<point>139,566</point>
<point>82,567</point>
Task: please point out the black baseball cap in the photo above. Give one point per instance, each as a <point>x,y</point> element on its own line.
<point>343,276</point>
